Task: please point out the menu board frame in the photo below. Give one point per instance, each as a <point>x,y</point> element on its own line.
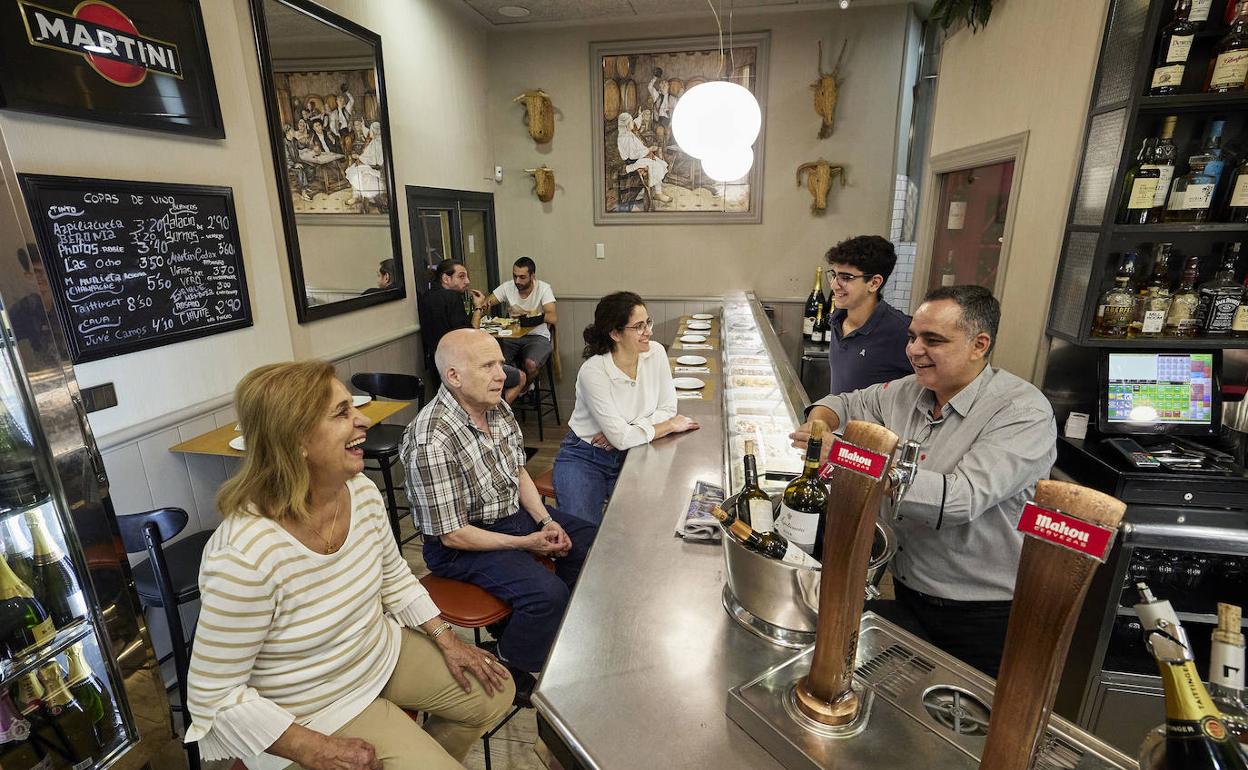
<point>34,185</point>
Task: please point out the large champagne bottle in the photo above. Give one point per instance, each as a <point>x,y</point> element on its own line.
<point>18,550</point>
<point>1196,733</point>
<point>813,303</point>
<point>19,477</point>
<point>89,691</point>
<point>770,545</point>
<point>1226,671</point>
<point>805,500</point>
<point>24,622</point>
<point>70,722</point>
<point>55,584</point>
<point>753,504</point>
<point>17,751</point>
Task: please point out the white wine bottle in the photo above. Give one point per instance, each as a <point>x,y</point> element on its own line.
<point>24,623</point>
<point>770,545</point>
<point>70,722</point>
<point>753,504</point>
<point>54,582</point>
<point>1226,671</point>
<point>90,692</point>
<point>805,500</point>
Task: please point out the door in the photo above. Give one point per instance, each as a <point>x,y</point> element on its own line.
<point>455,224</point>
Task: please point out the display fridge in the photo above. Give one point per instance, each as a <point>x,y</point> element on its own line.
<point>79,683</point>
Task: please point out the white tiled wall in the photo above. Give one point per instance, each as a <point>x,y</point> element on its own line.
<point>901,232</point>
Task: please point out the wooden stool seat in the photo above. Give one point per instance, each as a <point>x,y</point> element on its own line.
<point>545,483</point>
<point>463,604</point>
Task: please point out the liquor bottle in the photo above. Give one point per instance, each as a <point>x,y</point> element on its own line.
<point>17,751</point>
<point>1219,297</point>
<point>1173,49</point>
<point>1181,317</point>
<point>1191,195</point>
<point>1230,67</point>
<point>70,721</point>
<point>1196,736</point>
<point>24,623</point>
<point>1239,326</point>
<point>772,545</point>
<point>1116,306</point>
<point>813,303</point>
<point>19,480</point>
<point>90,692</point>
<point>1200,12</point>
<point>1163,158</point>
<point>956,219</point>
<point>18,550</point>
<point>1153,299</point>
<point>1139,188</point>
<point>1237,195</point>
<point>948,274</point>
<point>55,584</point>
<point>1226,671</point>
<point>753,504</point>
<point>805,501</point>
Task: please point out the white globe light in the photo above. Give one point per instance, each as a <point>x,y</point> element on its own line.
<point>716,117</point>
<point>729,166</point>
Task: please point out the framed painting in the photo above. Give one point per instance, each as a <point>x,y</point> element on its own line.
<point>641,175</point>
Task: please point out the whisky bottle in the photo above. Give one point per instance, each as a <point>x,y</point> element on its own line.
<point>1230,66</point>
<point>1163,158</point>
<point>1181,317</point>
<point>90,692</point>
<point>772,546</point>
<point>70,721</point>
<point>1239,325</point>
<point>805,500</point>
<point>753,504</point>
<point>1196,733</point>
<point>1219,297</point>
<point>1200,12</point>
<point>1116,305</point>
<point>1153,299</point>
<point>1237,195</point>
<point>1226,671</point>
<point>1139,188</point>
<point>813,303</point>
<point>24,623</point>
<point>1191,196</point>
<point>55,584</point>
<point>1173,49</point>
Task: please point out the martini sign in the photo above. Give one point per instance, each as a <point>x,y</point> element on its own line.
<point>105,37</point>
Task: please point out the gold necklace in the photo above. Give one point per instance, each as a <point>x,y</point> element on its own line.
<point>329,543</point>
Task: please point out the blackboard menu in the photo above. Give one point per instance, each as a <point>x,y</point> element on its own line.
<point>137,265</point>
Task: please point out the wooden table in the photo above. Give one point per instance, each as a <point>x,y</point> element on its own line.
<point>517,331</point>
<point>217,442</point>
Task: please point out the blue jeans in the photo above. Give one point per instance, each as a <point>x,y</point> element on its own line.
<point>585,477</point>
<point>538,597</point>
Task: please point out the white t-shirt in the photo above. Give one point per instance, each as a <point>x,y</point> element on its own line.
<point>624,409</point>
<point>541,296</point>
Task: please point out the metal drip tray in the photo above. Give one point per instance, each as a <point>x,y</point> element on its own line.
<point>926,709</point>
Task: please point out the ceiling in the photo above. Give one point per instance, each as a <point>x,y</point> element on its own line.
<point>572,11</point>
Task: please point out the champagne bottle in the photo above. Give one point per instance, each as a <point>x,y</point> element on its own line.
<point>70,721</point>
<point>771,545</point>
<point>805,499</point>
<point>18,550</point>
<point>1196,734</point>
<point>24,623</point>
<point>813,303</point>
<point>753,504</point>
<point>55,584</point>
<point>17,751</point>
<point>90,692</point>
<point>29,694</point>
<point>1226,671</point>
<point>19,477</point>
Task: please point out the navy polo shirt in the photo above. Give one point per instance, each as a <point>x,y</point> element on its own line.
<point>874,352</point>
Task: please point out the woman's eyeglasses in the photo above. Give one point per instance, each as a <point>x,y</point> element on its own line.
<point>642,326</point>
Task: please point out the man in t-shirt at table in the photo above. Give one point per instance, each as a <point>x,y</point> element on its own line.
<point>533,303</point>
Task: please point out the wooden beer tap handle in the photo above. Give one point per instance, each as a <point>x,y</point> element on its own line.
<point>1052,581</point>
<point>825,694</point>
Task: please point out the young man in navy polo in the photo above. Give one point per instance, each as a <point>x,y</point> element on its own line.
<point>869,336</point>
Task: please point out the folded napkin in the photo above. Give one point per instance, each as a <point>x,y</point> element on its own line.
<point>696,521</point>
<point>693,370</point>
<point>696,346</point>
<point>689,394</point>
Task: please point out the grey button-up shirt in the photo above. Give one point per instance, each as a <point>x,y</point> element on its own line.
<point>979,463</point>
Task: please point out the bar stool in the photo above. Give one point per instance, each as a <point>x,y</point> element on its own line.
<point>545,483</point>
<point>543,401</point>
<point>382,443</point>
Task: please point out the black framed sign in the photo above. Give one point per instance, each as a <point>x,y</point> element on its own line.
<point>137,265</point>
<point>139,63</point>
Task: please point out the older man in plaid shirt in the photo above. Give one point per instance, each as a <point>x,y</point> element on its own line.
<point>482,517</point>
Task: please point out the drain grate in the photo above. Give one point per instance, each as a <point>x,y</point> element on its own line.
<point>1057,754</point>
<point>894,670</point>
<point>957,710</point>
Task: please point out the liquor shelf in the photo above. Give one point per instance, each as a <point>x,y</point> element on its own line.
<point>14,668</point>
<point>1194,101</point>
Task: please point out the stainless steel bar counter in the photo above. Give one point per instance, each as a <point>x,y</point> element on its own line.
<point>640,672</point>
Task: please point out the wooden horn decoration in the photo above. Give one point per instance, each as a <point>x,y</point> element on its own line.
<point>1051,585</point>
<point>540,113</point>
<point>543,182</point>
<point>825,694</point>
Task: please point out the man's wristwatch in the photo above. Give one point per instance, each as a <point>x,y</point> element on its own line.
<point>542,524</point>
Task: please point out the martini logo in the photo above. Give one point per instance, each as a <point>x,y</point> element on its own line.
<point>105,37</point>
<point>1083,537</point>
<point>854,458</point>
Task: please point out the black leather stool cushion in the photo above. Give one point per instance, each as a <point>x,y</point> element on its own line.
<point>383,440</point>
<point>183,558</point>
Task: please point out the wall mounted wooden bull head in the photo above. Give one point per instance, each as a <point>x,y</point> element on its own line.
<point>819,181</point>
<point>541,114</point>
<point>826,88</point>
<point>543,182</point>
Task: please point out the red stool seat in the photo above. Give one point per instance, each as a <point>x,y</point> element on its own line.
<point>545,483</point>
<point>463,604</point>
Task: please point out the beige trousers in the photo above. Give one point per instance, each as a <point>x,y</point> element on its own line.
<point>422,682</point>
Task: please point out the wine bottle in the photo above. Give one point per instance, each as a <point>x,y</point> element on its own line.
<point>753,504</point>
<point>18,550</point>
<point>70,721</point>
<point>1173,50</point>
<point>1230,66</point>
<point>805,500</point>
<point>55,584</point>
<point>24,623</point>
<point>17,751</point>
<point>19,477</point>
<point>813,303</point>
<point>772,545</point>
<point>90,692</point>
<point>1196,735</point>
<point>1226,671</point>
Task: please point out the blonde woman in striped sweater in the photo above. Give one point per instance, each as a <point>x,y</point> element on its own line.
<point>313,633</point>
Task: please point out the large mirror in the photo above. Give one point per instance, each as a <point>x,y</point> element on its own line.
<point>326,108</point>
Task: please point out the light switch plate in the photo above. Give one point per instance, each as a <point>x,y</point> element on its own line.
<point>600,250</point>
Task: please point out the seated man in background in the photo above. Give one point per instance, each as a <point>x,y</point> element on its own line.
<point>533,302</point>
<point>482,518</point>
<point>385,277</point>
<point>445,308</point>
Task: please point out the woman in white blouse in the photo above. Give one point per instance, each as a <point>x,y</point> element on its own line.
<point>313,633</point>
<point>624,398</point>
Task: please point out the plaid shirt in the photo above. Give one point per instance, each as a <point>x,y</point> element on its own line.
<point>456,473</point>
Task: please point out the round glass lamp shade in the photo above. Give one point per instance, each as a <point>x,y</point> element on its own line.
<point>729,166</point>
<point>715,117</point>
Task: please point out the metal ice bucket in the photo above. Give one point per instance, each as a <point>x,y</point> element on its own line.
<point>779,601</point>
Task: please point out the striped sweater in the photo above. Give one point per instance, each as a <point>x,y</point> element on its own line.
<point>289,635</point>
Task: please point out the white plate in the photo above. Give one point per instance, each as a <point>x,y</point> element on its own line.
<point>359,401</point>
<point>688,383</point>
<point>701,316</point>
<point>238,443</point>
<point>693,338</point>
<point>699,325</point>
<point>691,360</point>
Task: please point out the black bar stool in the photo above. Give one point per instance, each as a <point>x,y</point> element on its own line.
<point>543,401</point>
<point>382,443</point>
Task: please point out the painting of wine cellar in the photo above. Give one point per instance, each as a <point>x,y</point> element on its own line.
<point>640,172</point>
<point>332,138</point>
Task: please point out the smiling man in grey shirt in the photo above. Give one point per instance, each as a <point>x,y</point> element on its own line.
<point>987,437</point>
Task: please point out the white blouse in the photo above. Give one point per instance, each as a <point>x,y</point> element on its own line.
<point>623,409</point>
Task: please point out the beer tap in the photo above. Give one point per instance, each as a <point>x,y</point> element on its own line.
<point>902,474</point>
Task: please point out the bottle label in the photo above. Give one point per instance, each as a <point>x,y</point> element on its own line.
<point>1169,76</point>
<point>44,631</point>
<point>947,279</point>
<point>798,527</point>
<point>795,555</point>
<point>761,517</point>
<point>1222,310</point>
<point>808,326</point>
<point>1230,70</point>
<point>1226,665</point>
<point>1200,10</point>
<point>1115,317</point>
<point>957,215</point>
<point>1143,192</point>
<point>1165,174</point>
<point>1153,321</point>
<point>1239,196</point>
<point>1240,323</point>
<point>1180,46</point>
<point>84,764</point>
<point>1196,196</point>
